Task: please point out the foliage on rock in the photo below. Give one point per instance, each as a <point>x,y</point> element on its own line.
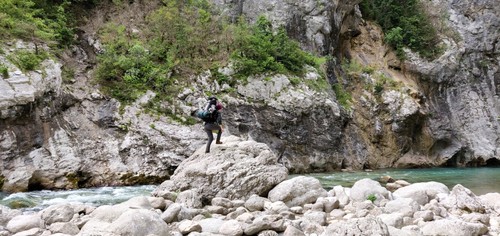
<point>406,24</point>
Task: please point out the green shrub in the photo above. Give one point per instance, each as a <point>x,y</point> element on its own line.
<point>27,60</point>
<point>371,197</point>
<point>4,71</point>
<point>405,23</point>
<point>36,20</point>
<point>343,97</point>
<point>261,50</point>
<point>67,74</point>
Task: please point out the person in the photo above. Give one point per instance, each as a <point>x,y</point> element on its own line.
<point>214,125</point>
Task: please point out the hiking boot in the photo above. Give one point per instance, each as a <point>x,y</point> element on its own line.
<point>218,142</point>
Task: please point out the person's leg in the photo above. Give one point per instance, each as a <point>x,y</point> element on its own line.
<point>219,134</point>
<point>210,138</point>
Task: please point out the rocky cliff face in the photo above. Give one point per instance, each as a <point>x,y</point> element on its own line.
<point>66,134</point>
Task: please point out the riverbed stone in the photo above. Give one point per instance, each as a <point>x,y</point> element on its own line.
<point>31,232</point>
<point>394,219</point>
<point>275,207</point>
<point>364,188</point>
<point>134,222</point>
<point>190,198</point>
<point>57,213</point>
<point>298,191</point>
<point>425,215</point>
<point>342,194</point>
<point>358,226</point>
<point>157,203</point>
<point>292,231</point>
<point>6,214</point>
<point>188,226</point>
<point>404,206</point>
<point>255,203</point>
<point>64,228</point>
<point>170,214</point>
<point>423,192</point>
<point>463,199</point>
<point>492,201</point>
<point>231,227</point>
<point>453,227</point>
<point>24,222</point>
<point>211,225</point>
<point>265,222</point>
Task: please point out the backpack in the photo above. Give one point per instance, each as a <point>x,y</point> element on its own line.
<point>206,115</point>
<point>209,113</point>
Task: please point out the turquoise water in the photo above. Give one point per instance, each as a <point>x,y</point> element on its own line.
<point>38,200</point>
<point>479,180</point>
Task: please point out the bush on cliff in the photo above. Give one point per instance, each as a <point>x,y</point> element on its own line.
<point>405,24</point>
<point>39,21</point>
<point>185,38</point>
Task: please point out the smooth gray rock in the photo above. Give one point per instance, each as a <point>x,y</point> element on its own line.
<point>24,222</point>
<point>422,193</point>
<point>297,191</point>
<point>366,187</point>
<point>362,226</point>
<point>453,227</point>
<point>233,170</point>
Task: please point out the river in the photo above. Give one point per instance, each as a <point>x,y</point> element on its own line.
<point>479,180</point>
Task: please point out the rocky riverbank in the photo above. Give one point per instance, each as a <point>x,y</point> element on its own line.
<point>240,189</point>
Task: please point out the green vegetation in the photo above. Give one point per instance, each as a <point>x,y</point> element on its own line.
<point>4,71</point>
<point>383,80</point>
<point>27,60</point>
<point>343,97</point>
<point>197,39</point>
<point>39,21</point>
<point>405,23</point>
<point>261,50</point>
<point>371,197</point>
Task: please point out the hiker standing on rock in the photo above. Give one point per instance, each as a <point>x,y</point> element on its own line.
<point>214,124</point>
<point>212,117</point>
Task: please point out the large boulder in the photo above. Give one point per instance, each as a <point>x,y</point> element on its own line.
<point>298,191</point>
<point>364,188</point>
<point>421,192</point>
<point>453,227</point>
<point>133,217</point>
<point>358,226</point>
<point>234,170</point>
<point>464,199</point>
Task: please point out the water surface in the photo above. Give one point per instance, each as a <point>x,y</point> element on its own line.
<point>479,180</point>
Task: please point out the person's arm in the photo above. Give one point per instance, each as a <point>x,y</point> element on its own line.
<point>219,118</point>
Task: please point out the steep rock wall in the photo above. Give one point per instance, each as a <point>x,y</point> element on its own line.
<point>68,135</point>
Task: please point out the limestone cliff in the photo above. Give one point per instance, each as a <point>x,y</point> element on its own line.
<point>57,133</point>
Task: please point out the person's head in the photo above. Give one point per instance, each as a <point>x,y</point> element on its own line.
<point>212,100</point>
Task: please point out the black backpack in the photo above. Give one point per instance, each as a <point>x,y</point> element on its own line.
<point>209,113</point>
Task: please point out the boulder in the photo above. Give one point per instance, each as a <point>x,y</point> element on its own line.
<point>24,222</point>
<point>404,206</point>
<point>491,200</point>
<point>131,222</point>
<point>231,227</point>
<point>64,228</point>
<point>57,213</point>
<point>364,188</point>
<point>298,191</point>
<point>422,193</point>
<point>233,170</point>
<point>464,199</point>
<point>453,227</point>
<point>366,226</point>
<point>255,203</point>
